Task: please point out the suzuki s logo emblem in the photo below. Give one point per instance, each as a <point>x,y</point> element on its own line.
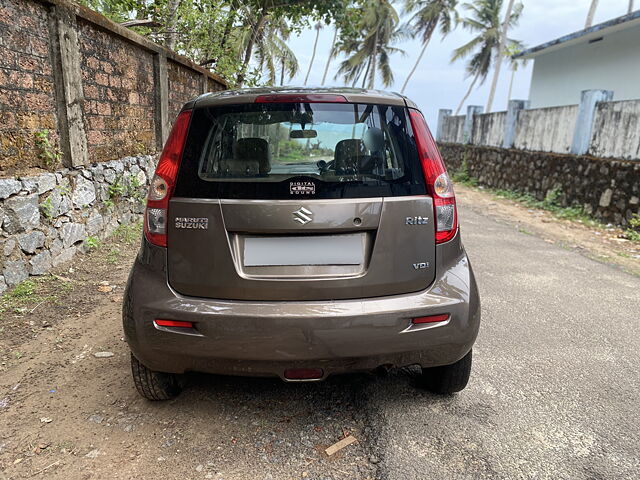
<point>302,216</point>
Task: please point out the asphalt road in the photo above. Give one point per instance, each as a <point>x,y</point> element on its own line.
<point>555,389</point>
<point>554,393</point>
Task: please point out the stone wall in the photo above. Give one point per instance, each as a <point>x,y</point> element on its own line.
<point>609,190</point>
<point>46,218</point>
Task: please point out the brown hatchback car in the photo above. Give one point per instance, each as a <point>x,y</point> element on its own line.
<point>300,233</point>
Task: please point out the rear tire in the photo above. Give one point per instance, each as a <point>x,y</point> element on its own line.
<point>154,385</point>
<point>448,379</point>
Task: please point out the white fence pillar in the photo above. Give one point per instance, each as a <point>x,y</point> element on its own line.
<point>467,132</point>
<point>443,114</point>
<point>584,120</point>
<point>511,121</point>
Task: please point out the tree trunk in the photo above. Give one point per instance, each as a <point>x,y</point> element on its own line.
<point>172,23</point>
<point>331,54</point>
<point>313,54</point>
<point>426,39</point>
<point>233,11</point>
<point>374,58</point>
<point>513,74</point>
<point>630,6</point>
<point>466,95</point>
<point>282,73</point>
<point>366,74</point>
<point>591,14</point>
<point>249,50</point>
<point>499,59</point>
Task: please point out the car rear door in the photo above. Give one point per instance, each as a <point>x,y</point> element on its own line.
<point>329,221</point>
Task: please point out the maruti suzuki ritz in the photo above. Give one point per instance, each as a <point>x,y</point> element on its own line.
<point>300,233</point>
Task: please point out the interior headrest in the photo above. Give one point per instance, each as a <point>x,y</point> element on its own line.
<point>347,156</point>
<point>248,150</point>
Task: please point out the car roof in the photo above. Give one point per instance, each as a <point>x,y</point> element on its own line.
<point>248,95</point>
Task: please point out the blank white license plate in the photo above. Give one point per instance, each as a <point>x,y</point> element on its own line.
<point>311,250</point>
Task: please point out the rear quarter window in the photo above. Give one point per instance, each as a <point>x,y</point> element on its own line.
<point>290,150</point>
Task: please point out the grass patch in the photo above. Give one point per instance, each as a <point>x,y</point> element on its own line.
<point>23,290</point>
<point>463,176</point>
<point>633,231</point>
<point>30,293</point>
<point>92,242</point>
<point>128,233</point>
<point>113,256</point>
<point>550,204</point>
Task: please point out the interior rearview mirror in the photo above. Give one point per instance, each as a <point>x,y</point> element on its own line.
<point>303,134</point>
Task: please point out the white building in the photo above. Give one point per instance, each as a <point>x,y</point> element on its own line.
<point>603,57</point>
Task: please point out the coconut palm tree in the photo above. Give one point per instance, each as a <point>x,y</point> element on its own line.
<point>318,27</point>
<point>332,53</point>
<point>514,63</point>
<point>428,14</point>
<point>483,19</point>
<point>369,54</point>
<point>510,19</point>
<point>273,53</point>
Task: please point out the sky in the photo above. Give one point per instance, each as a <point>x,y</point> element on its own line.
<point>437,83</point>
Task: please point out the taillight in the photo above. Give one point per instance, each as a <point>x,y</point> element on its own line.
<point>164,181</point>
<point>438,182</point>
<point>300,98</point>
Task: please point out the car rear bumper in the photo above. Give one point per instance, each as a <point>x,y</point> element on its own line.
<point>266,338</point>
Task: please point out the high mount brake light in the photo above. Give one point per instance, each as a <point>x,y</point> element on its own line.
<point>164,181</point>
<point>438,182</point>
<point>300,98</point>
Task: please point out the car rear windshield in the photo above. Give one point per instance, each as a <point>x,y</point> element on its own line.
<point>289,150</point>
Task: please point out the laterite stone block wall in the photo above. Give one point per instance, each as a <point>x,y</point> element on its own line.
<point>119,105</point>
<point>184,84</point>
<point>27,99</point>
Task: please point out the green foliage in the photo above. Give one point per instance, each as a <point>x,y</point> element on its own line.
<point>113,256</point>
<point>485,21</point>
<point>24,289</point>
<point>128,233</point>
<point>48,152</point>
<point>369,47</point>
<point>46,208</point>
<point>633,232</point>
<point>551,204</point>
<point>221,35</point>
<point>117,189</point>
<point>29,294</point>
<point>92,242</point>
<point>463,175</point>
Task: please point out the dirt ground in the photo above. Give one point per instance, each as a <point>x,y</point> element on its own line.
<point>65,413</point>
<point>602,244</point>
